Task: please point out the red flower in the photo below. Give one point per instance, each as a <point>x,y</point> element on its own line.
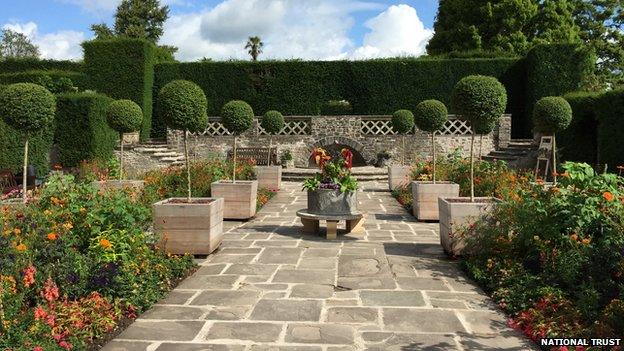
<point>38,348</point>
<point>29,276</point>
<point>608,196</point>
<point>348,156</point>
<point>40,313</point>
<point>66,345</point>
<point>50,290</point>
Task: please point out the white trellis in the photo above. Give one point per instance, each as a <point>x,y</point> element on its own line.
<point>455,127</point>
<point>292,127</point>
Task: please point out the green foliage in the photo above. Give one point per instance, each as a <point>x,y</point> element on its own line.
<point>54,80</point>
<point>375,87</point>
<point>254,47</point>
<point>123,69</point>
<point>335,172</point>
<point>430,115</point>
<point>31,64</point>
<point>579,141</point>
<point>81,129</point>
<point>17,45</point>
<point>551,114</point>
<point>182,105</point>
<point>237,116</point>
<point>27,107</point>
<point>609,110</point>
<point>124,116</point>
<point>272,122</point>
<point>336,108</point>
<point>403,121</point>
<point>481,100</point>
<point>12,144</point>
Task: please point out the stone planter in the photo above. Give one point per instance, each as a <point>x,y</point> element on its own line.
<point>269,177</point>
<point>195,228</point>
<point>118,184</point>
<point>397,176</point>
<point>288,164</point>
<point>456,213</point>
<point>131,138</point>
<point>240,197</point>
<point>332,202</point>
<point>425,198</point>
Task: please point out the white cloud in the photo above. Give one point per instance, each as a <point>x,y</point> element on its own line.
<point>311,29</point>
<point>61,45</point>
<point>97,6</point>
<point>395,32</point>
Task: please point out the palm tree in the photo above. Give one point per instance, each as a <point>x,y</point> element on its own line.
<point>254,44</point>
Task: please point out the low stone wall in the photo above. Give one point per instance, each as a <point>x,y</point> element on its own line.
<point>366,135</point>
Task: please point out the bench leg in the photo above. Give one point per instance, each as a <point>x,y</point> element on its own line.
<point>355,225</point>
<point>310,226</point>
<point>332,229</point>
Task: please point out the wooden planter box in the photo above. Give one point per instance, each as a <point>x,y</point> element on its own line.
<point>119,184</point>
<point>456,213</point>
<point>425,198</point>
<point>269,177</point>
<point>240,197</point>
<point>398,175</point>
<point>194,228</point>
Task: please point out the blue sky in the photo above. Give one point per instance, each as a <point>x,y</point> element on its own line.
<point>312,29</point>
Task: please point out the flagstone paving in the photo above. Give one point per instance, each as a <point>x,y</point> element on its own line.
<point>271,288</point>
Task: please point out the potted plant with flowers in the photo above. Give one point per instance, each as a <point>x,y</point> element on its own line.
<point>402,123</point>
<point>480,100</point>
<point>333,190</point>
<point>270,176</point>
<point>187,225</point>
<point>430,116</point>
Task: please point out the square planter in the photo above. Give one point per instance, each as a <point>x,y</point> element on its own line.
<point>332,202</point>
<point>240,197</point>
<point>131,138</point>
<point>457,213</point>
<point>119,185</point>
<point>269,177</point>
<point>425,198</point>
<point>12,204</point>
<point>398,176</point>
<point>195,228</point>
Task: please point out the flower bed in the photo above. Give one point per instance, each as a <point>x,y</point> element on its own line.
<point>554,259</point>
<point>75,263</point>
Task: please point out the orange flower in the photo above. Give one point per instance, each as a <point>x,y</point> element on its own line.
<point>586,241</point>
<point>17,231</point>
<point>574,237</point>
<point>52,236</point>
<point>21,248</point>
<point>105,243</point>
<point>608,196</point>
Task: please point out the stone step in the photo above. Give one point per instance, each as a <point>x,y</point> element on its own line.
<point>521,145</point>
<point>492,158</point>
<point>150,150</point>
<point>172,159</point>
<point>509,152</point>
<point>167,154</point>
<point>301,178</point>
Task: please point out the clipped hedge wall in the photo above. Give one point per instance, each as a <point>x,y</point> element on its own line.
<point>79,79</point>
<point>123,68</point>
<point>579,142</point>
<point>12,146</point>
<point>21,65</point>
<point>371,87</point>
<point>81,129</point>
<point>610,114</point>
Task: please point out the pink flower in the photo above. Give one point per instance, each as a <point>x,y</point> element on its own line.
<point>50,290</point>
<point>38,348</point>
<point>66,345</point>
<point>40,313</point>
<point>29,276</point>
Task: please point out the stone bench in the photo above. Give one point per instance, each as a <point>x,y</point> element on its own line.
<point>311,223</point>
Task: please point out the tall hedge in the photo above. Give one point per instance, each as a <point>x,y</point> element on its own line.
<point>123,68</point>
<point>30,64</point>
<point>81,129</point>
<point>371,87</point>
<point>78,79</point>
<point>610,114</point>
<point>579,142</point>
<point>12,146</point>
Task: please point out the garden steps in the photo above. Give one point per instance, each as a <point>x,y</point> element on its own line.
<point>160,151</point>
<point>360,173</point>
<point>519,153</point>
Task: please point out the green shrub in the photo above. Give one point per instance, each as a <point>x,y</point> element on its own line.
<point>237,116</point>
<point>579,142</point>
<point>336,108</point>
<point>182,105</point>
<point>82,132</point>
<point>609,110</point>
<point>12,144</point>
<point>403,121</point>
<point>272,122</point>
<point>53,80</point>
<point>124,116</point>
<point>12,65</point>
<point>430,115</point>
<point>481,100</point>
<point>123,68</point>
<point>27,107</point>
<point>551,114</point>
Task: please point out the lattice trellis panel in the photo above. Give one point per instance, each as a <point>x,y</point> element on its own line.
<point>215,128</point>
<point>377,127</point>
<point>297,127</point>
<point>455,127</point>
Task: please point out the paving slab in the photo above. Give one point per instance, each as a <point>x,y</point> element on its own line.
<point>320,334</point>
<point>287,310</point>
<point>257,332</point>
<point>392,298</point>
<point>226,298</point>
<point>312,291</point>
<point>162,330</point>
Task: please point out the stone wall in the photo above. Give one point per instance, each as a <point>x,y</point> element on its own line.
<point>346,130</point>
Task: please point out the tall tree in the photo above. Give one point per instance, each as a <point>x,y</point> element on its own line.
<point>17,45</point>
<point>254,46</point>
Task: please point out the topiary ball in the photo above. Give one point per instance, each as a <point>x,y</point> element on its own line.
<point>430,115</point>
<point>551,114</point>
<point>403,121</point>
<point>183,106</point>
<point>27,107</point>
<point>272,122</point>
<point>237,116</point>
<point>480,100</point>
<point>124,116</point>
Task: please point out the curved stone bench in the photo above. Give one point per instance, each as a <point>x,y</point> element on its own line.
<point>311,223</point>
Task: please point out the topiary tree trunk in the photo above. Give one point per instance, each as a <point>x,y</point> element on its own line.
<point>234,161</point>
<point>554,157</point>
<point>472,140</point>
<point>433,153</point>
<point>270,146</point>
<point>25,169</point>
<point>188,169</point>
<point>121,156</point>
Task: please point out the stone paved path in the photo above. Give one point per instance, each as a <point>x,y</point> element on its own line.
<point>271,288</point>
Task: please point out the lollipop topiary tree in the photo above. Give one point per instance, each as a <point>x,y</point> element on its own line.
<point>183,106</point>
<point>237,117</point>
<point>403,123</point>
<point>28,108</point>
<point>272,122</point>
<point>124,116</point>
<point>552,114</point>
<point>480,100</point>
<point>430,116</point>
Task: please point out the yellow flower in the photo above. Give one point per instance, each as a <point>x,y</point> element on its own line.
<point>47,212</point>
<point>68,225</point>
<point>21,248</point>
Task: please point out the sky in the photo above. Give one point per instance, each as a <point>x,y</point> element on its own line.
<point>218,29</point>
